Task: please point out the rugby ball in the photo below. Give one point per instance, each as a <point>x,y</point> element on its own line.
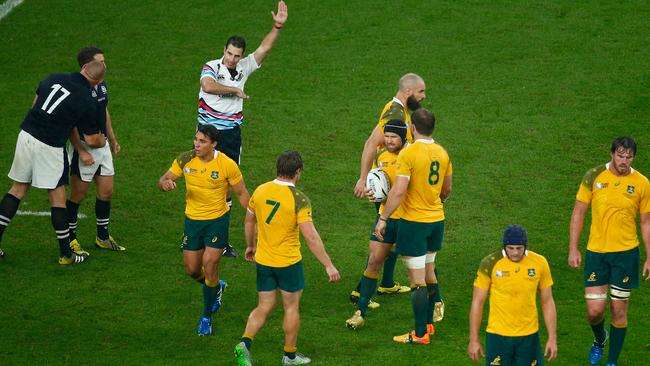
<point>377,182</point>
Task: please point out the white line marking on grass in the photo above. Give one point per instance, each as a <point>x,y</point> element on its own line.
<point>8,6</point>
<point>42,213</point>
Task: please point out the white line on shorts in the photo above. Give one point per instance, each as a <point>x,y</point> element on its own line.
<point>8,6</point>
<point>42,213</point>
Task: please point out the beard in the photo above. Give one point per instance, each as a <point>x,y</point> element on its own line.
<point>412,103</point>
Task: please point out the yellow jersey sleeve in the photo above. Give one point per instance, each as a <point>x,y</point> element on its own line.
<point>483,278</point>
<point>233,174</point>
<point>545,280</point>
<point>180,161</point>
<point>303,207</point>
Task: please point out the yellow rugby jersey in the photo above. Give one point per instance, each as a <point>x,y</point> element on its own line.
<point>279,207</point>
<point>387,161</point>
<point>395,110</point>
<point>615,202</point>
<point>426,164</point>
<point>513,292</point>
<point>206,184</point>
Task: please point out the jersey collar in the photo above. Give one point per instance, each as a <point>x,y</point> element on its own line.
<point>283,183</point>
<point>426,141</point>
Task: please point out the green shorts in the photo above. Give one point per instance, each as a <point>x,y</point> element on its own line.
<point>199,234</point>
<point>513,351</point>
<point>290,279</point>
<point>617,268</point>
<point>390,234</point>
<point>415,239</point>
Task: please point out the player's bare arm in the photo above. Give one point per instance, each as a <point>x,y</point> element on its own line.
<point>317,247</point>
<point>167,182</point>
<point>96,140</point>
<point>575,229</point>
<point>112,139</point>
<point>474,348</point>
<point>550,319</point>
<point>375,139</point>
<point>265,47</point>
<point>645,234</point>
<point>209,85</point>
<point>242,193</point>
<point>85,157</point>
<point>250,232</point>
<point>445,190</point>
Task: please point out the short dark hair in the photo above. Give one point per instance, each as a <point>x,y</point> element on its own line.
<point>289,162</point>
<point>87,54</point>
<point>624,142</point>
<point>236,41</point>
<point>424,121</point>
<point>210,131</point>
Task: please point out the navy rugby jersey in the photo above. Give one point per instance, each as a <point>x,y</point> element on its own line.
<point>100,94</point>
<point>64,102</point>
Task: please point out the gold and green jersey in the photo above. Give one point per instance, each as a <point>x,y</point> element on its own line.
<point>387,161</point>
<point>615,202</point>
<point>513,290</point>
<point>279,208</point>
<point>395,110</point>
<point>206,183</point>
<point>427,165</point>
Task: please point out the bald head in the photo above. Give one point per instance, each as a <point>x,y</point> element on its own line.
<point>94,71</point>
<point>410,81</point>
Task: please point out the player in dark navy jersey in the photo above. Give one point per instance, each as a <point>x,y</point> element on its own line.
<point>63,101</point>
<point>93,164</point>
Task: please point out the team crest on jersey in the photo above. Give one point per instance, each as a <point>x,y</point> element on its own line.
<point>630,189</point>
<point>214,174</point>
<point>592,277</point>
<point>496,361</point>
<point>531,272</point>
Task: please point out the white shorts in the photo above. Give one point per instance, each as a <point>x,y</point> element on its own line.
<point>38,163</point>
<point>103,163</point>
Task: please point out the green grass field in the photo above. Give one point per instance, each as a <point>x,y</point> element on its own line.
<point>528,96</point>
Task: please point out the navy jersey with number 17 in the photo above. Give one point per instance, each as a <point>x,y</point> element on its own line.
<point>64,102</point>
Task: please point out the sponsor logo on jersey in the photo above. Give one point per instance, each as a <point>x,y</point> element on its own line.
<point>592,277</point>
<point>630,189</point>
<point>103,89</point>
<point>93,93</point>
<point>496,361</point>
<point>214,174</point>
<point>531,272</point>
<point>601,185</point>
<point>502,273</point>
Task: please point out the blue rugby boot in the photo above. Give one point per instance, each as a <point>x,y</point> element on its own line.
<point>205,327</point>
<point>217,302</point>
